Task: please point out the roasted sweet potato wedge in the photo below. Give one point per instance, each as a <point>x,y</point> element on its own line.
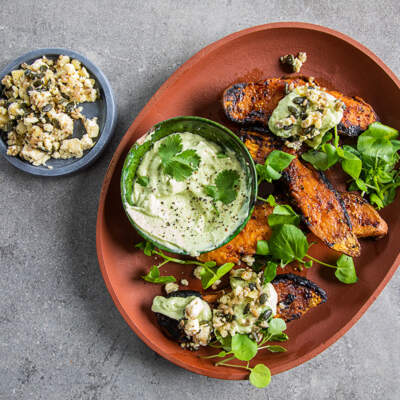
<point>320,204</point>
<point>365,220</point>
<point>322,208</point>
<point>245,243</point>
<point>296,296</point>
<point>252,103</point>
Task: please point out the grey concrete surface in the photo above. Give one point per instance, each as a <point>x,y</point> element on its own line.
<point>61,336</point>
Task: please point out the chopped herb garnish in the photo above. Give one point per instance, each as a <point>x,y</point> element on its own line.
<point>225,188</point>
<point>177,163</point>
<point>142,180</point>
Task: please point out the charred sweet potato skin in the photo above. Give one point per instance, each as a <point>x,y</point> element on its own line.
<point>252,103</point>
<point>245,243</point>
<point>296,296</point>
<point>322,207</point>
<point>365,220</point>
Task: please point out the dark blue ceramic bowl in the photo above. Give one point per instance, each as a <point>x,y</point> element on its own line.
<point>104,109</point>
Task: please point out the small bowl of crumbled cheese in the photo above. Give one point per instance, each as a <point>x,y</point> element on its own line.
<point>57,112</point>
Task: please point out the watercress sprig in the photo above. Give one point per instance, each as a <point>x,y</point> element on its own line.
<point>209,273</point>
<point>241,347</point>
<point>371,164</point>
<point>274,164</point>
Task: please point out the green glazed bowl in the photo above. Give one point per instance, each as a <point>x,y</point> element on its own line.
<point>206,128</point>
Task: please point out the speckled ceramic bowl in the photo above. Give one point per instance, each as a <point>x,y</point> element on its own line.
<point>211,131</point>
<point>104,109</point>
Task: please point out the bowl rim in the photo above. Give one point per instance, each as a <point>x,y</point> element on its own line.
<point>125,140</point>
<point>247,159</point>
<point>105,134</point>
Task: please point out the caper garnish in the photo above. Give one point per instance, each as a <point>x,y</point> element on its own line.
<point>299,99</point>
<point>309,129</point>
<point>265,315</point>
<point>294,111</point>
<point>263,298</point>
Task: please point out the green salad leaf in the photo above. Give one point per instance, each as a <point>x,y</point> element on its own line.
<point>260,376</point>
<point>210,275</point>
<point>154,276</point>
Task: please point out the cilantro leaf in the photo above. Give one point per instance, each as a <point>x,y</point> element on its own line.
<point>225,188</point>
<point>177,163</point>
<point>142,180</point>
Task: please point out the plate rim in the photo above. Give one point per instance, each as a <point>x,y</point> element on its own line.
<point>110,116</point>
<point>285,366</point>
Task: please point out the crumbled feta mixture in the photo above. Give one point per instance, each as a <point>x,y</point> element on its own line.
<point>197,272</point>
<point>39,107</point>
<point>197,324</point>
<point>184,282</point>
<point>171,287</point>
<point>247,308</point>
<point>294,62</point>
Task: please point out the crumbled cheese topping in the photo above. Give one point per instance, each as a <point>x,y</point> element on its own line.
<point>171,287</point>
<point>40,106</point>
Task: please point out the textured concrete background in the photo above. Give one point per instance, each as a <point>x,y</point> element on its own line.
<point>61,336</point>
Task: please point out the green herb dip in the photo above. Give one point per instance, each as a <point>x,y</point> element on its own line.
<point>174,307</point>
<point>305,115</point>
<point>179,214</point>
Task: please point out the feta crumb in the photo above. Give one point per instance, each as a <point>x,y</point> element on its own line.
<point>197,272</point>
<point>184,282</point>
<point>171,287</point>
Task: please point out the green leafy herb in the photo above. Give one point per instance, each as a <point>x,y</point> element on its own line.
<point>274,164</point>
<point>262,248</point>
<point>177,163</point>
<point>243,347</point>
<point>283,214</point>
<point>221,155</point>
<point>270,271</point>
<point>276,349</point>
<point>345,270</point>
<point>154,276</point>
<point>142,180</point>
<point>225,188</point>
<point>276,326</point>
<point>260,376</point>
<point>288,243</point>
<point>209,275</point>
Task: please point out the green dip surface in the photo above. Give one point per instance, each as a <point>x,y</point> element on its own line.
<point>305,115</point>
<point>179,214</point>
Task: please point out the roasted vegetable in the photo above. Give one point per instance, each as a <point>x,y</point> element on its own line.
<point>322,207</point>
<point>245,242</point>
<point>365,220</point>
<point>252,103</point>
<point>296,296</point>
<point>169,325</point>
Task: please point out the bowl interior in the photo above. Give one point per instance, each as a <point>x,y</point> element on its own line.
<point>103,108</point>
<point>211,131</point>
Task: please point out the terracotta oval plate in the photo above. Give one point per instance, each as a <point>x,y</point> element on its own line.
<point>195,89</point>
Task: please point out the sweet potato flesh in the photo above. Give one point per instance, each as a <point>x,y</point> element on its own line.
<point>245,243</point>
